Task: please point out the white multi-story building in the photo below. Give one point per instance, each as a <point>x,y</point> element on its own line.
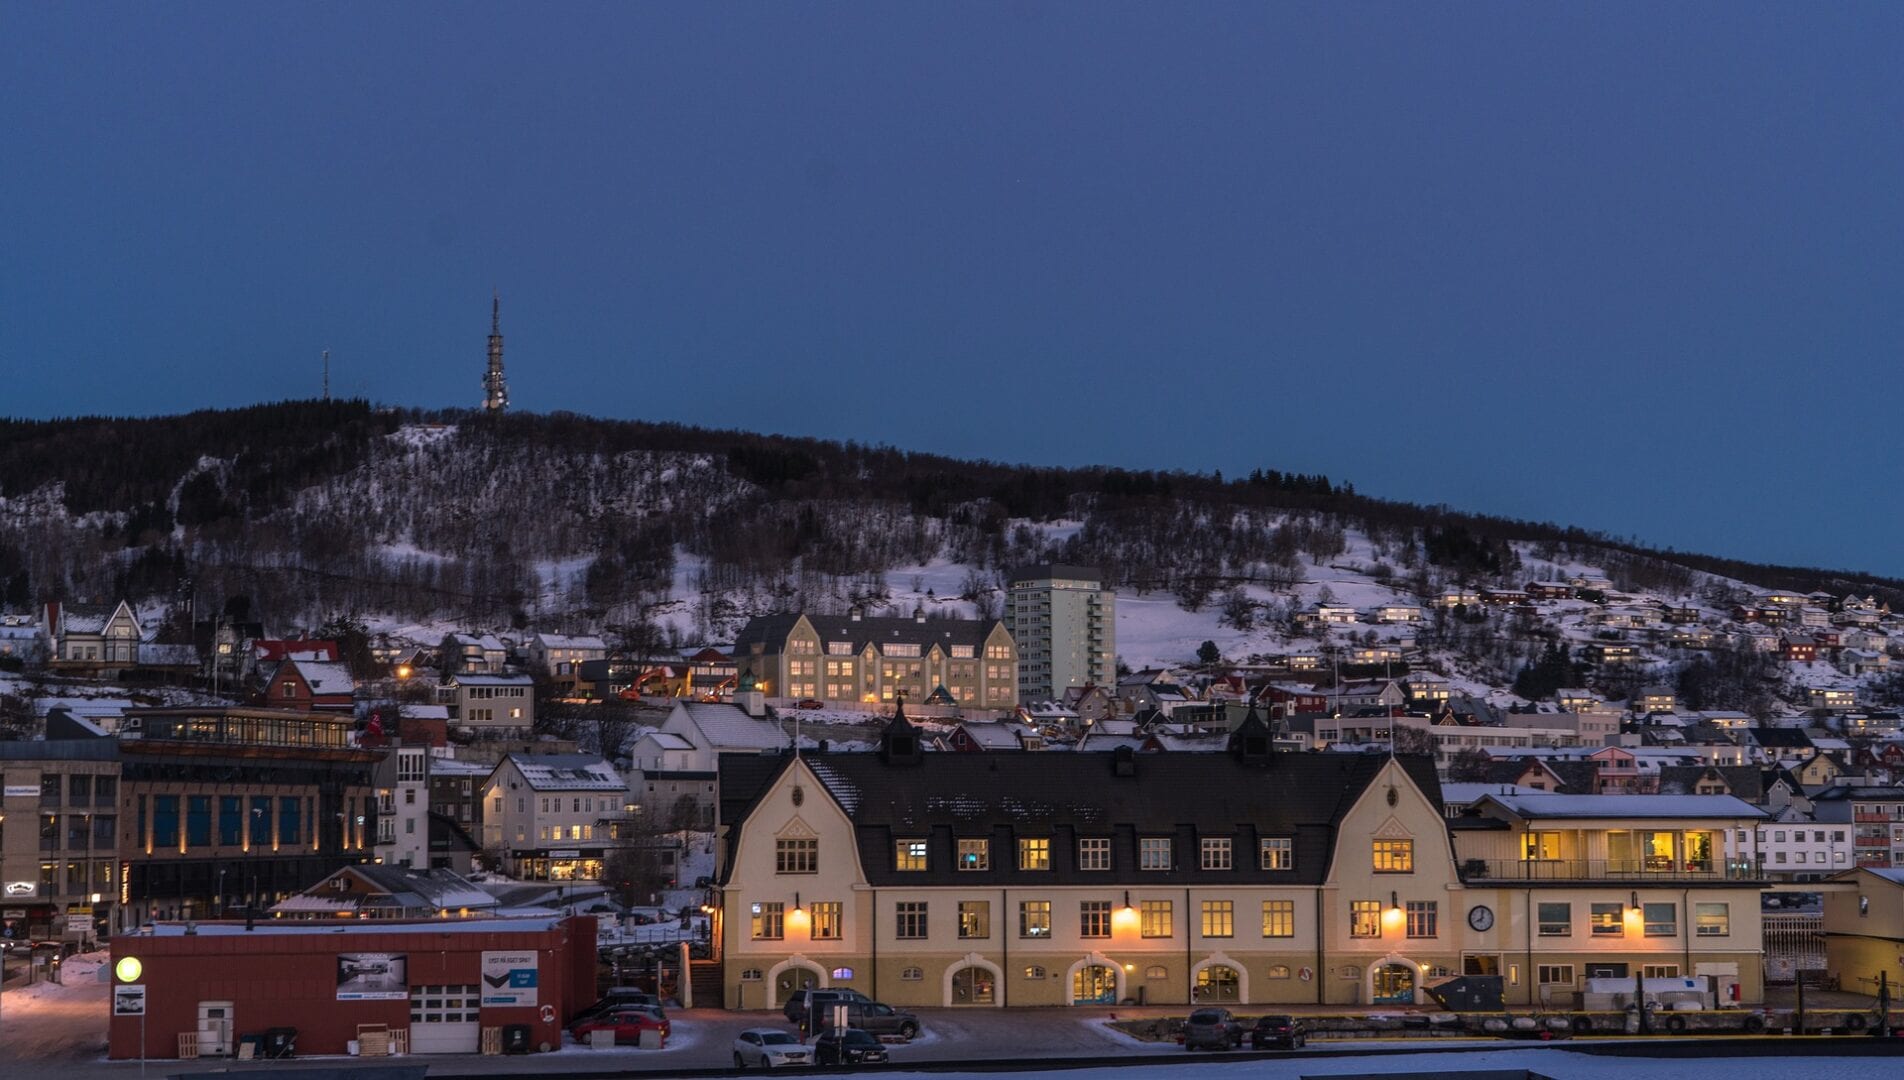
<point>1065,624</point>
<point>1792,847</point>
<point>403,808</point>
<point>553,817</point>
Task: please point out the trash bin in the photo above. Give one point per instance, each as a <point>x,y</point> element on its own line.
<point>515,1038</point>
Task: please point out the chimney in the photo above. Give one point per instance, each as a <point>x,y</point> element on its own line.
<point>854,613</point>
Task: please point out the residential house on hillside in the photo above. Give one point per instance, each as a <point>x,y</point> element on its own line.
<point>488,703</point>
<point>856,658</point>
<point>1876,817</point>
<point>1833,700</point>
<point>560,656</point>
<point>1153,689</point>
<point>308,686</point>
<point>473,654</point>
<point>1396,613</point>
<point>93,638</point>
<point>677,761</point>
<point>22,637</point>
<point>1093,704</point>
<point>1550,590</point>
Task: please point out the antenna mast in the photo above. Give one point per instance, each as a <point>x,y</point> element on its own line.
<point>327,374</point>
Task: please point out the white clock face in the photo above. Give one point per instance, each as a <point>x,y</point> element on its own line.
<point>1481,917</point>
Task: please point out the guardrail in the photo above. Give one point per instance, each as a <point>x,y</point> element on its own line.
<point>1623,870</point>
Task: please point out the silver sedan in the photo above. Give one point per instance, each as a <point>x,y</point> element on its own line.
<point>770,1048</point>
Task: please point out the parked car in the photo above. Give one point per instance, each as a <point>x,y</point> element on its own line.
<point>769,1048</point>
<point>809,703</point>
<point>1277,1033</point>
<point>619,997</point>
<point>802,1001</point>
<point>627,1022</point>
<point>849,1047</point>
<point>874,1018</point>
<point>1212,1029</point>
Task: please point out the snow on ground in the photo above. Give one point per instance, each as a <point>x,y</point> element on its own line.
<point>1554,1063</point>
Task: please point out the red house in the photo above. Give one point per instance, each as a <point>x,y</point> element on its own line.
<point>1288,699</point>
<point>1799,648</point>
<point>308,686</point>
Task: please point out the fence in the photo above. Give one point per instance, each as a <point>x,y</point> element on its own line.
<point>1793,944</point>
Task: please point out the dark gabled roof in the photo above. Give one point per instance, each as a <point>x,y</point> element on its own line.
<point>1576,777</point>
<point>772,630</point>
<point>1007,795</point>
<point>1792,738</point>
<point>1746,781</point>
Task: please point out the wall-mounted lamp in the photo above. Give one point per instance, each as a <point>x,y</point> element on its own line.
<point>1394,901</point>
<point>796,902</point>
<point>1127,903</point>
<point>1636,900</point>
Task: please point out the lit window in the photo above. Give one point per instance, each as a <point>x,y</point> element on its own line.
<point>1608,920</point>
<point>1365,918</point>
<point>975,855</point>
<point>1279,918</point>
<point>1394,856</point>
<point>1034,854</point>
<point>826,920</point>
<point>1218,918</point>
<point>1155,919</point>
<point>769,921</point>
<point>1277,853</point>
<point>1034,918</point>
<point>909,855</point>
<point>975,918</point>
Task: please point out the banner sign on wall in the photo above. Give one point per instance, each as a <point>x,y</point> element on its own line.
<point>509,978</point>
<point>372,977</point>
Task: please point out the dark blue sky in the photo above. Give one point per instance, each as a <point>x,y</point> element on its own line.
<point>1634,267</point>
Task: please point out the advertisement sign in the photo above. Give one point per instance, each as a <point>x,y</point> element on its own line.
<point>509,978</point>
<point>128,1000</point>
<point>21,791</point>
<point>372,977</point>
<point>22,888</point>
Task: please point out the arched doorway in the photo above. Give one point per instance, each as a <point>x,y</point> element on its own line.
<point>1393,981</point>
<point>974,985</point>
<point>1218,984</point>
<point>1094,984</point>
<point>791,976</point>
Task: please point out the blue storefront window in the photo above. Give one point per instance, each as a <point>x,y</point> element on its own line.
<point>165,821</point>
<point>288,823</point>
<point>198,821</point>
<point>231,826</point>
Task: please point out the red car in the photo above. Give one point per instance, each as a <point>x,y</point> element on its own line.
<point>627,1023</point>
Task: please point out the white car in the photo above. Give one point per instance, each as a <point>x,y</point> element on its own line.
<point>770,1048</point>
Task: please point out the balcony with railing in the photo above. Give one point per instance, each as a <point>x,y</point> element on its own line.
<point>1648,869</point>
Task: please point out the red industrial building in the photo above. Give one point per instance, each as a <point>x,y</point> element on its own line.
<point>439,983</point>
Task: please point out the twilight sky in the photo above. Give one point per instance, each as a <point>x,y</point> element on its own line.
<point>1633,267</point>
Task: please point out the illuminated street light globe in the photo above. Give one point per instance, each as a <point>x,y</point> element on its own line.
<point>128,969</point>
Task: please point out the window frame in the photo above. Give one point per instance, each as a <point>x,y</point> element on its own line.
<point>1272,850</point>
<point>1422,919</point>
<point>1216,853</point>
<point>1149,847</point>
<point>769,915</point>
<point>1274,912</point>
<point>1649,927</point>
<point>910,920</point>
<point>1034,920</point>
<point>1156,919</point>
<point>1544,923</point>
<point>974,854</point>
<point>1220,914</point>
<point>1094,919</point>
<point>909,851</point>
<point>826,920</point>
<point>790,852</point>
<point>975,920</point>
<point>1392,855</point>
<point>1095,857</point>
<point>1034,853</point>
<point>1724,924</point>
<point>1365,918</point>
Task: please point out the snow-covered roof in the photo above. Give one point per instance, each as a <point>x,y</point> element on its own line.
<point>325,678</point>
<point>667,740</point>
<point>358,926</point>
<point>571,641</point>
<point>424,712</point>
<point>492,680</point>
<point>728,727</point>
<point>1538,806</point>
<point>1472,792</point>
<point>566,772</point>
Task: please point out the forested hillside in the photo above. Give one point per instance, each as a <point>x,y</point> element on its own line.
<point>313,509</point>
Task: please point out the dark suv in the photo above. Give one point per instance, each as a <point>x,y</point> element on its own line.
<point>1277,1033</point>
<point>849,1047</point>
<point>803,1003</point>
<point>1212,1029</point>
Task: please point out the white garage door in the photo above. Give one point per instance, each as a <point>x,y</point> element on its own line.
<point>444,1020</point>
